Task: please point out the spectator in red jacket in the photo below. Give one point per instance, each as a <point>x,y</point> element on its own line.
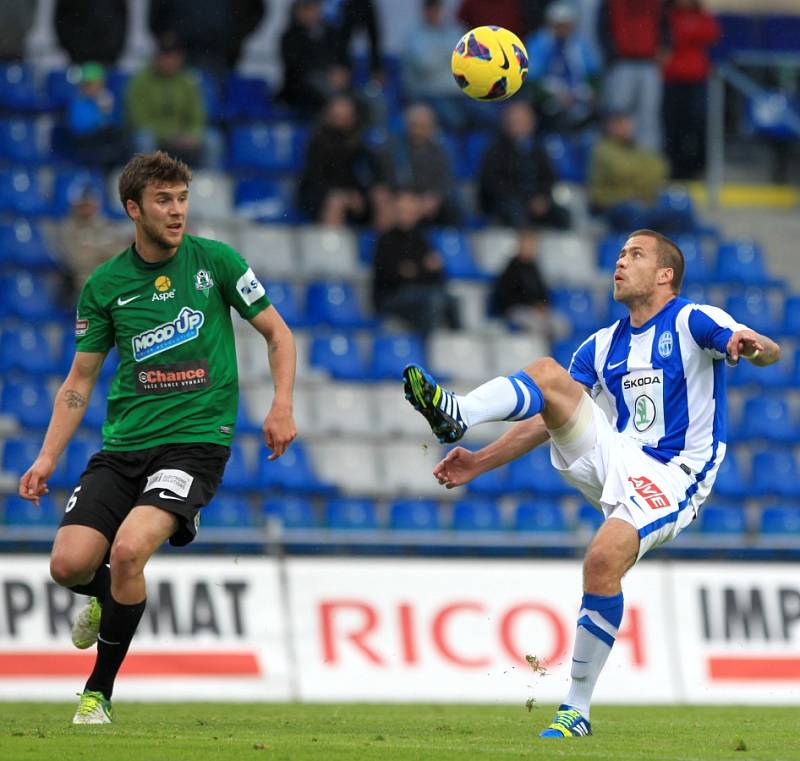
<point>686,70</point>
<point>506,13</point>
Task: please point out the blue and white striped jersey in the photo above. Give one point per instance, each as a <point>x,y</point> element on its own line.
<point>664,383</point>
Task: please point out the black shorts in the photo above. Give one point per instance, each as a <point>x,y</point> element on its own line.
<point>178,478</point>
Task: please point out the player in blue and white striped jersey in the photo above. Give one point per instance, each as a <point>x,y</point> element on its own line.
<point>637,424</point>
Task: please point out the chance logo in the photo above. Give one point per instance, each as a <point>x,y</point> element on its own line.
<point>185,327</point>
<point>665,344</point>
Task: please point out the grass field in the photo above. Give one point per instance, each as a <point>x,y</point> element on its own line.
<point>210,731</point>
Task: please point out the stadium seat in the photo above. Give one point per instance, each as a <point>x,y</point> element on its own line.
<point>577,306</point>
<point>791,316</point>
<point>741,261</point>
<point>246,98</point>
<point>539,515</point>
<point>96,409</point>
<point>608,250</point>
<point>352,466</point>
<point>20,193</point>
<point>18,90</point>
<point>30,297</point>
<point>733,479</point>
<point>394,417</point>
<point>326,252</point>
<point>512,352</point>
<point>589,518</point>
<point>754,309</point>
<point>79,451</point>
<point>407,469</point>
<point>493,247</point>
<point>566,259</point>
<point>570,156</point>
<point>212,195</point>
<point>28,401</point>
<point>392,352</point>
<point>19,141</point>
<point>239,472</point>
<point>366,246</point>
<point>270,250</point>
<point>19,512</point>
<point>723,518</point>
<point>27,349</point>
<point>781,521</point>
<point>455,249</point>
<point>335,303</point>
<point>739,32</point>
<point>340,356</point>
<point>351,514</point>
<point>476,515</point>
<point>285,298</point>
<point>698,268</point>
<point>22,245</point>
<point>69,185</point>
<point>344,408</point>
<point>779,375</point>
<point>263,200</point>
<point>275,149</point>
<point>460,355</point>
<point>20,453</point>
<point>292,512</point>
<point>782,33</point>
<point>562,351</point>
<point>776,471</point>
<point>616,311</point>
<point>61,85</point>
<point>695,292</point>
<point>769,417</point>
<point>225,511</point>
<point>414,515</point>
<point>292,472</point>
<point>492,483</point>
<point>534,473</point>
<point>212,97</point>
<point>469,159</point>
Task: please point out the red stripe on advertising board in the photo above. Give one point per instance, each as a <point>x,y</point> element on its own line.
<point>45,664</point>
<point>754,669</point>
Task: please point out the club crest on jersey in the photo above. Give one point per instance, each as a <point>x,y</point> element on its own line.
<point>202,280</point>
<point>665,344</point>
<point>185,327</point>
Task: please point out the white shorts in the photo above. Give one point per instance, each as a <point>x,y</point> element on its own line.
<point>616,476</point>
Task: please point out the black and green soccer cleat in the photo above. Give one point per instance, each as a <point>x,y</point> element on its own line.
<point>87,624</point>
<point>437,406</point>
<point>93,708</point>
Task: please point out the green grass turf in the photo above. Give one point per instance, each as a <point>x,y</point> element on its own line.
<point>213,731</point>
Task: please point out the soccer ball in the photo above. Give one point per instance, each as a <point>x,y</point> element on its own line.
<point>489,63</point>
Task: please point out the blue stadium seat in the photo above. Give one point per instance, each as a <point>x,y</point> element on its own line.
<point>20,512</point>
<point>776,471</point>
<point>239,474</point>
<point>292,472</point>
<point>351,514</point>
<point>414,515</point>
<point>264,200</point>
<point>616,311</point>
<point>334,303</point>
<point>366,246</point>
<point>19,454</point>
<point>61,85</point>
<point>69,184</point>
<point>778,375</point>
<point>769,417</point>
<point>212,97</point>
<point>741,261</point>
<point>455,249</point>
<point>755,310</point>
<point>468,159</point>
<point>227,512</point>
<point>589,517</point>
<point>771,114</point>
<point>18,90</point>
<point>732,479</point>
<point>284,296</point>
<point>781,520</point>
<point>493,483</point>
<point>29,401</point>
<point>698,268</point>
<point>608,250</point>
<point>476,515</point>
<point>79,452</point>
<point>534,472</point>
<point>20,193</point>
<point>562,351</point>
<point>782,33</point>
<point>22,245</point>
<point>292,512</point>
<point>539,515</point>
<point>95,414</point>
<point>246,98</point>
<point>27,349</point>
<point>340,356</point>
<point>68,353</point>
<point>739,32</point>
<point>570,155</point>
<point>578,307</point>
<point>723,518</point>
<point>391,353</point>
<point>791,316</point>
<point>277,148</point>
<point>19,142</point>
<point>695,292</point>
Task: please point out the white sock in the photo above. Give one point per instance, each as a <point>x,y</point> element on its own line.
<point>514,397</point>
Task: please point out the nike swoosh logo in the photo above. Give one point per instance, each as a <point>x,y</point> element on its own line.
<point>164,495</point>
<point>505,59</point>
<point>616,364</point>
<point>105,641</point>
<point>575,660</point>
<point>121,302</point>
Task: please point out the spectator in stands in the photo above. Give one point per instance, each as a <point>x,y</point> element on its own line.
<point>213,32</point>
<point>563,73</point>
<point>421,163</point>
<point>165,109</point>
<point>352,16</point>
<point>625,180</point>
<point>686,70</point>
<point>312,67</point>
<point>95,135</point>
<point>509,14</point>
<point>517,178</point>
<point>16,22</point>
<point>341,178</point>
<point>87,239</point>
<point>92,30</point>
<point>408,275</point>
<point>635,35</point>
<point>425,60</point>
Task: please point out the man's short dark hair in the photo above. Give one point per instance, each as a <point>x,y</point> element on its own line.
<point>143,169</point>
<point>669,255</point>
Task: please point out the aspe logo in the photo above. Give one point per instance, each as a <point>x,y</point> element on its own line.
<point>185,327</point>
<point>164,289</point>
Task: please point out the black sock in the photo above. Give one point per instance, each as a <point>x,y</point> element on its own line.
<point>99,586</point>
<point>117,627</point>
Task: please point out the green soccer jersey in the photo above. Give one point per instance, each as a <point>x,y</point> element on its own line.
<point>171,323</point>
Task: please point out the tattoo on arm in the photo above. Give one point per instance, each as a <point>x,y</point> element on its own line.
<point>74,399</point>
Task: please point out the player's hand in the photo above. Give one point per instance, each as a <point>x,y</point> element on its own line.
<point>33,483</point>
<point>744,343</point>
<point>279,429</point>
<point>459,467</point>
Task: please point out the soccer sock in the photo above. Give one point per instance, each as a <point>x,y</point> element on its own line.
<point>511,397</point>
<point>99,586</point>
<point>117,627</point>
<point>598,623</point>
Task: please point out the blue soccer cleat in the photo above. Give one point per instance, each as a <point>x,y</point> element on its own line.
<point>567,723</point>
<point>437,406</point>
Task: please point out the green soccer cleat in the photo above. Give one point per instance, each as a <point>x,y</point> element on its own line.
<point>86,625</point>
<point>93,708</point>
<point>437,406</point>
<point>567,723</point>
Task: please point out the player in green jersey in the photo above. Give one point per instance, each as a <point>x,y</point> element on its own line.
<point>165,304</point>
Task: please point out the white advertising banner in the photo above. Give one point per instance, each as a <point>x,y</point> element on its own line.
<point>212,630</point>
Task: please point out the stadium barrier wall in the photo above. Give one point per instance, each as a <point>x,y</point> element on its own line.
<point>413,630</point>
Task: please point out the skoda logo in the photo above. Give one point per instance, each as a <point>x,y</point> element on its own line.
<point>644,413</point>
<point>665,344</point>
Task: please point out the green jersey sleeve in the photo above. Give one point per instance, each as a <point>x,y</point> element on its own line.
<point>240,287</point>
<point>94,329</point>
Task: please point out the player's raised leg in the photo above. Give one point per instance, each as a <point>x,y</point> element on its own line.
<point>543,387</point>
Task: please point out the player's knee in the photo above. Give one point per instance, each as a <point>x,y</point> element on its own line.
<point>127,558</point>
<point>67,571</point>
<point>546,373</point>
<point>602,564</point>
